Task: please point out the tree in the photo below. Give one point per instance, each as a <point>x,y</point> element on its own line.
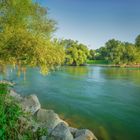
<point>101,53</point>
<point>25,36</point>
<point>117,52</point>
<point>130,54</point>
<point>76,53</point>
<point>92,54</point>
<point>114,51</point>
<point>137,41</point>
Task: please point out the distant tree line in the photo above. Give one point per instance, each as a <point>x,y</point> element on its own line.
<point>113,52</point>
<point>117,52</point>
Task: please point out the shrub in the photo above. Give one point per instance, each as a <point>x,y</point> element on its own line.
<point>14,123</point>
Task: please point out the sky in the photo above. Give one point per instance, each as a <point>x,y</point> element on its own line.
<point>94,22</point>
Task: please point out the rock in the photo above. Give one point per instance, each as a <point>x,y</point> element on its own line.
<point>73,130</point>
<point>43,138</point>
<point>57,128</point>
<point>61,132</point>
<point>49,119</point>
<point>7,82</point>
<point>84,134</point>
<point>31,104</point>
<point>16,96</point>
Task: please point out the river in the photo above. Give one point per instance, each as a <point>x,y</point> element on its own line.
<point>103,99</point>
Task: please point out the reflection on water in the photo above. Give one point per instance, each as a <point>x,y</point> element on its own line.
<point>78,71</point>
<point>103,99</point>
<point>104,134</point>
<point>122,73</point>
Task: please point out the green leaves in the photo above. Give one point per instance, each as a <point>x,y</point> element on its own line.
<point>14,123</point>
<point>117,52</point>
<point>3,89</point>
<point>76,54</point>
<point>137,41</point>
<point>25,36</point>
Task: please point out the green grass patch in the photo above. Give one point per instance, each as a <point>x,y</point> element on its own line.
<point>4,89</point>
<point>9,115</point>
<point>12,127</point>
<point>103,62</point>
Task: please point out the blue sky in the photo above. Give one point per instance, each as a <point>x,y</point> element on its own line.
<point>93,22</point>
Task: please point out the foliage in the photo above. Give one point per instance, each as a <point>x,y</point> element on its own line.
<point>117,52</point>
<point>76,53</point>
<point>103,62</point>
<point>4,89</point>
<point>137,41</point>
<point>92,54</point>
<point>12,127</point>
<point>9,113</point>
<point>25,36</point>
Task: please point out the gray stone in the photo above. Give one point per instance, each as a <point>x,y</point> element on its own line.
<point>84,134</point>
<point>43,138</point>
<point>73,130</point>
<point>61,132</point>
<point>7,82</point>
<point>48,118</point>
<point>31,104</point>
<point>16,96</point>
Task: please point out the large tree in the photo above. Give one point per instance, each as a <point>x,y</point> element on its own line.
<point>76,53</point>
<point>92,54</point>
<point>131,54</point>
<point>25,36</point>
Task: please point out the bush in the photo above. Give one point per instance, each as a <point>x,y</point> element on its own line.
<point>9,115</point>
<point>3,88</point>
<point>14,123</point>
<point>103,62</point>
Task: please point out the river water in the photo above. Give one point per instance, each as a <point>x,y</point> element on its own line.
<point>103,99</point>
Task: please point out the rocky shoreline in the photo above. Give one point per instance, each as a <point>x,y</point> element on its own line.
<point>57,128</point>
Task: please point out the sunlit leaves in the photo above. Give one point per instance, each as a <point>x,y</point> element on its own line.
<point>137,41</point>
<point>25,36</point>
<point>76,54</point>
<point>117,52</point>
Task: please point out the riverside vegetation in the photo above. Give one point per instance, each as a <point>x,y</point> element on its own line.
<point>22,118</point>
<point>14,122</point>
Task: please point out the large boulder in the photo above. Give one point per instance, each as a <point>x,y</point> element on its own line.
<point>61,132</point>
<point>73,130</point>
<point>84,134</point>
<point>31,104</point>
<point>43,138</point>
<point>16,96</point>
<point>48,118</point>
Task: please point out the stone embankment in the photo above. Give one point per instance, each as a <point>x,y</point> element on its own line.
<point>57,128</point>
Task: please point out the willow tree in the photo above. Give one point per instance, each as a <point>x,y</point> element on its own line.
<point>25,36</point>
<point>76,53</point>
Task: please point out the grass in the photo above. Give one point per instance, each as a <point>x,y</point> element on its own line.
<point>3,89</point>
<point>12,127</point>
<point>103,62</point>
<point>9,114</point>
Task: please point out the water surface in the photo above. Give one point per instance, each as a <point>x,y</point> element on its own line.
<point>103,99</point>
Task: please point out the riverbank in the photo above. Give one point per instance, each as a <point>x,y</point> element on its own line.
<point>57,128</point>
<point>113,65</point>
<point>107,64</point>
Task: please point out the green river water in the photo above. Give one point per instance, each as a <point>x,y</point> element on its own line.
<point>104,99</point>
